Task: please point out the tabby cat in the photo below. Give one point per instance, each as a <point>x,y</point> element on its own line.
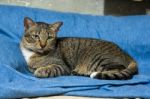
<point>49,56</point>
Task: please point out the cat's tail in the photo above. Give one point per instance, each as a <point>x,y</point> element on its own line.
<point>126,73</point>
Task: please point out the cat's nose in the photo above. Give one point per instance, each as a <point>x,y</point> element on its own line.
<point>42,45</point>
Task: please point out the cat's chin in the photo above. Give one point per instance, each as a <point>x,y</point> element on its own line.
<point>42,51</point>
<point>46,50</point>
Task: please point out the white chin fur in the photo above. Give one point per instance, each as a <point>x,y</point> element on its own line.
<point>93,74</point>
<point>26,53</point>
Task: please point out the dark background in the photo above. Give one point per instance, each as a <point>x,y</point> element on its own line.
<point>126,7</point>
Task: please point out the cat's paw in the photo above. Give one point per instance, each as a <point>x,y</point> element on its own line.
<point>42,72</point>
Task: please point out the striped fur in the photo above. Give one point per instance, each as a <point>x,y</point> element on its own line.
<point>73,56</point>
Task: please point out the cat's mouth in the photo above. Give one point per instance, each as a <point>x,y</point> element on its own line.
<point>39,51</point>
<point>45,50</point>
<point>42,51</point>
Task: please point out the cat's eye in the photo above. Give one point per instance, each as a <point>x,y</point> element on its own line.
<point>49,36</point>
<point>35,36</point>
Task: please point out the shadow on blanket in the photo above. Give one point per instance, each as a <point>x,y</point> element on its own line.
<point>131,33</point>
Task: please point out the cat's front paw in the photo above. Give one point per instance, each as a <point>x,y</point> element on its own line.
<point>42,72</point>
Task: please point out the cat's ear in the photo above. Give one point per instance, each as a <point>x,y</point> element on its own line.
<point>55,26</point>
<point>28,22</point>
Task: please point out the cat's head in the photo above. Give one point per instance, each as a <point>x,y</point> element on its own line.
<point>40,37</point>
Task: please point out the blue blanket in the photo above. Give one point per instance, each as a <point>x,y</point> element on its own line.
<point>132,33</point>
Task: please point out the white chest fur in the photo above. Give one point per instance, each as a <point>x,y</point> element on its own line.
<point>26,53</point>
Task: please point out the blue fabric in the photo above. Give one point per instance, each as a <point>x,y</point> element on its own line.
<point>132,33</point>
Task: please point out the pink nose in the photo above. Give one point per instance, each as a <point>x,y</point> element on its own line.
<point>42,45</point>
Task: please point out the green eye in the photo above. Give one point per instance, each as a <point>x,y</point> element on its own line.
<point>49,36</point>
<point>35,36</point>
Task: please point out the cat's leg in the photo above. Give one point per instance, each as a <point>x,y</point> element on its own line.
<point>100,73</point>
<point>112,75</point>
<point>117,72</point>
<point>105,74</point>
<point>81,70</point>
<point>92,67</point>
<point>108,68</point>
<point>52,70</point>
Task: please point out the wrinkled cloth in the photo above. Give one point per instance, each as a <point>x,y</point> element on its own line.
<point>131,33</point>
